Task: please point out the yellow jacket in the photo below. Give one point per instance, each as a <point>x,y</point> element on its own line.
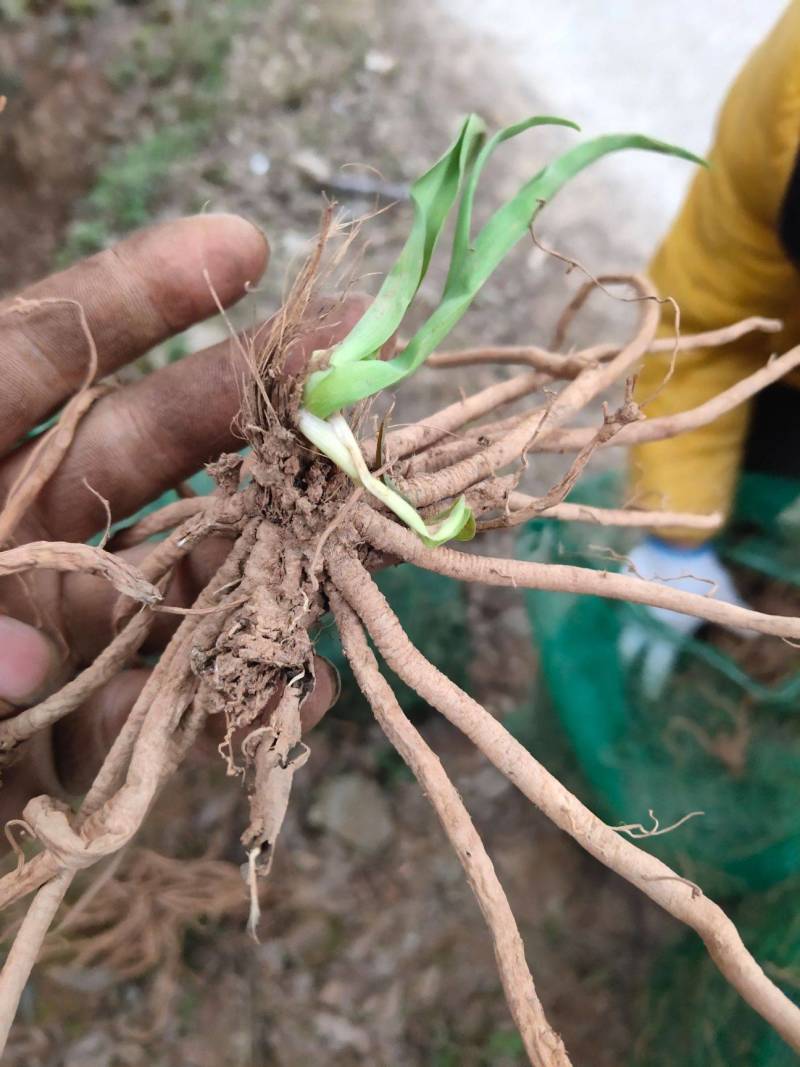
<point>727,256</point>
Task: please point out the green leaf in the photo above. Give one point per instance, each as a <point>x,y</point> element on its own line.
<point>472,264</point>
<point>461,249</point>
<point>556,174</point>
<point>468,530</point>
<point>432,195</point>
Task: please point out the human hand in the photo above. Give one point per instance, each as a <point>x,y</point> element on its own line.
<point>133,444</point>
<point>695,569</point>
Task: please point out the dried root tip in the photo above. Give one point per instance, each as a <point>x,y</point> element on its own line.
<point>252,873</point>
<point>67,556</point>
<point>276,753</point>
<point>392,539</point>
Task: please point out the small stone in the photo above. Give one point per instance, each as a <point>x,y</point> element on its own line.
<point>340,1033</point>
<point>259,164</point>
<point>312,166</point>
<point>354,808</point>
<point>93,1050</point>
<point>379,62</point>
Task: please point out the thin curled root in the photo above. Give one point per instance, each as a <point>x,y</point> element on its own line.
<point>135,920</point>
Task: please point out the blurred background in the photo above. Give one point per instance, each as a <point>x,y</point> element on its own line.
<point>373,951</point>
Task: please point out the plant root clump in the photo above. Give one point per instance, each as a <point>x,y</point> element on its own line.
<point>305,541</point>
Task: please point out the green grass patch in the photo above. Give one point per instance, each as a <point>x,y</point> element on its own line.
<point>176,63</point>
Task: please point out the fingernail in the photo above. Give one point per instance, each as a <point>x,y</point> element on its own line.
<point>266,250</point>
<point>261,233</point>
<point>26,660</point>
<point>327,690</point>
<point>337,678</point>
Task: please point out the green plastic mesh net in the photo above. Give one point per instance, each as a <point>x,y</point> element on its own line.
<point>724,739</point>
<point>692,1017</point>
<point>432,610</point>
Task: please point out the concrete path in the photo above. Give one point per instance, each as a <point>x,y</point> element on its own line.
<point>657,68</point>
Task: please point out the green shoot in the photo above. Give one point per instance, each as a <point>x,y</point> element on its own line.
<point>353,370</point>
<point>354,363</point>
<point>335,439</point>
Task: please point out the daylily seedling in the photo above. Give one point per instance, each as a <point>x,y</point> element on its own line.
<point>352,370</point>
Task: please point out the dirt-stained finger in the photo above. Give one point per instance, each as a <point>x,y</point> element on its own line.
<point>139,441</point>
<point>82,739</point>
<point>145,289</point>
<point>89,603</point>
<point>29,664</point>
<point>327,689</point>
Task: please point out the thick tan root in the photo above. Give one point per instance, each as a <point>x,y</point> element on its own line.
<point>683,422</point>
<point>676,895</point>
<point>499,494</point>
<point>422,434</point>
<point>542,1044</point>
<point>522,507</point>
<point>430,488</point>
<point>561,578</point>
<point>27,947</point>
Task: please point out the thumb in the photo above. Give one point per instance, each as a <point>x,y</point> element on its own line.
<point>29,664</point>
